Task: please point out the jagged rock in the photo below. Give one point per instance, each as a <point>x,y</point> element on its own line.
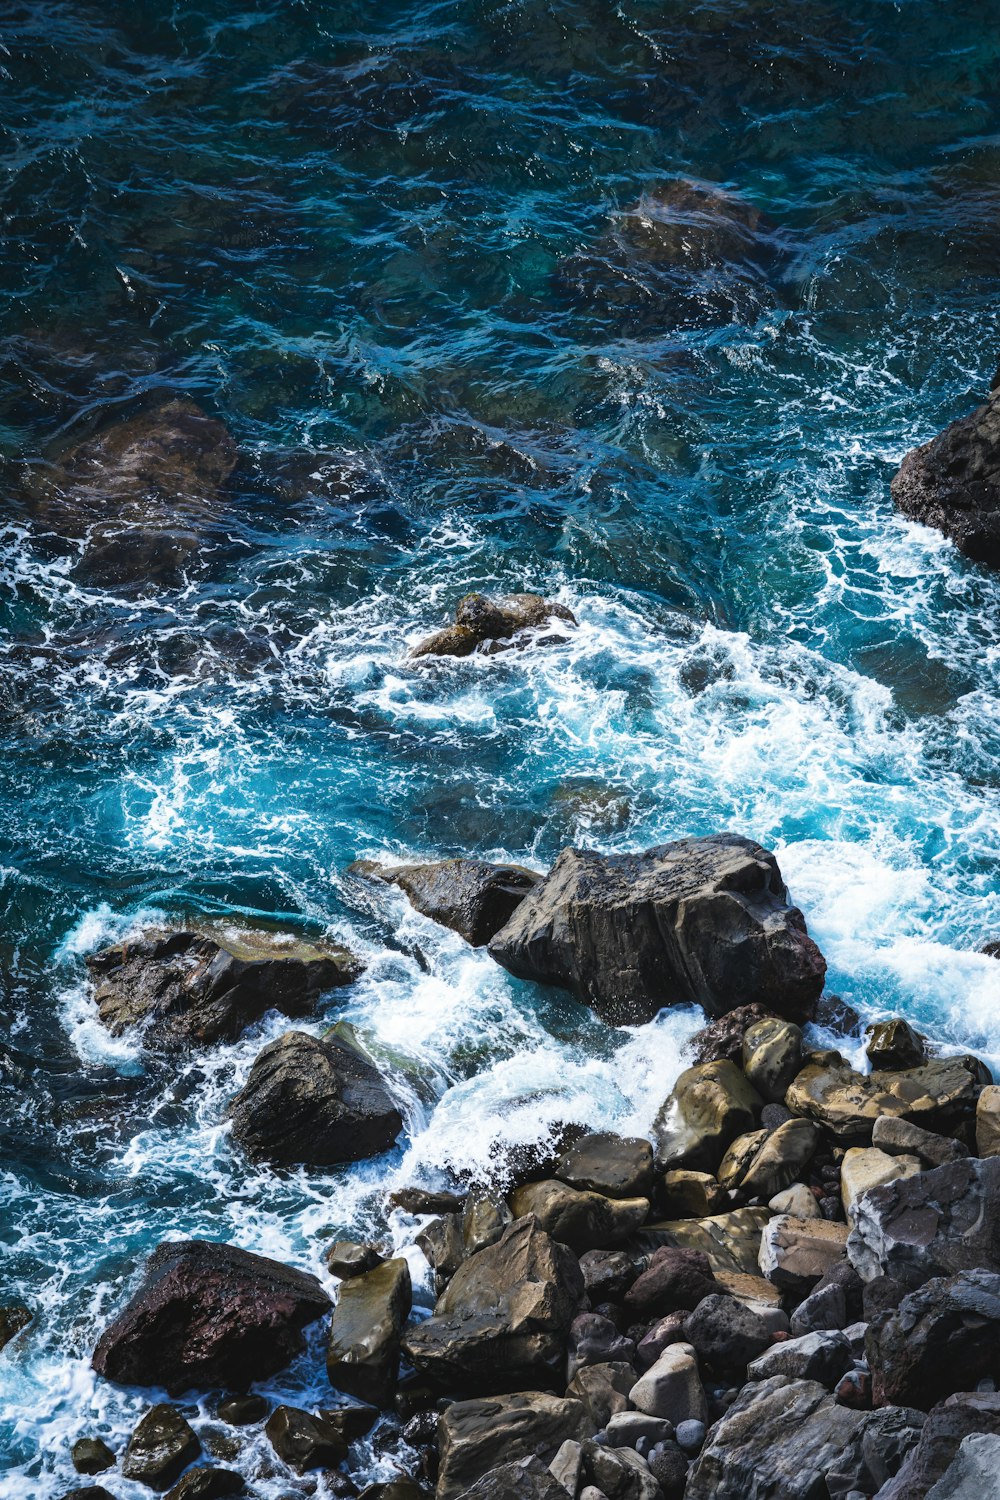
<point>672,1388</point>
<point>988,1121</point>
<point>486,623</point>
<point>774,1162</point>
<point>727,1335</point>
<point>160,1448</point>
<point>772,1056</point>
<point>730,1241</point>
<point>209,1314</point>
<point>674,1279</point>
<point>207,1484</point>
<point>594,1340</point>
<point>822,1310</point>
<point>939,1095</point>
<point>304,1441</point>
<point>414,1200</point>
<point>442,1243</point>
<point>582,1220</point>
<point>477,1436</point>
<point>567,1466</point>
<point>471,897</point>
<point>619,1473</point>
<point>942,1433</point>
<point>900,1138</point>
<point>692,1194</point>
<point>795,1253</point>
<point>613,1165</point>
<point>140,493</point>
<point>722,1039</point>
<point>607,1274</point>
<point>866,1167</point>
<point>953,483</point>
<point>931,1224</point>
<point>346,1258</point>
<point>91,1456</point>
<point>823,1357</point>
<point>524,1479</point>
<point>943,1338</point>
<point>602,1390</point>
<point>973,1472</point>
<point>313,1101</point>
<point>504,1318</point>
<point>894,1044</point>
<point>703,920</point>
<point>14,1317</point>
<point>191,988</point>
<point>709,1106</point>
<point>362,1356</point>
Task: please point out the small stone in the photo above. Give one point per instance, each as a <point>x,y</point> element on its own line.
<point>823,1309</point>
<point>242,1411</point>
<point>416,1201</point>
<point>673,1279</point>
<point>626,1428</point>
<point>797,1201</point>
<point>727,1335</point>
<point>855,1390</point>
<point>616,1166</point>
<point>160,1448</point>
<point>582,1220</point>
<point>607,1274</point>
<point>483,1222</point>
<point>354,1422</point>
<point>773,1115</point>
<point>772,1055</point>
<point>668,1330</point>
<point>669,1466</point>
<point>690,1435</point>
<point>594,1340</point>
<point>567,1465</point>
<point>864,1168</point>
<point>92,1456</point>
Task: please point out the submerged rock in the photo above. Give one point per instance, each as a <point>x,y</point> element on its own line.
<point>140,493</point>
<point>314,1102</point>
<point>14,1317</point>
<point>942,1338</point>
<point>702,920</point>
<point>477,1436</point>
<point>953,483</point>
<point>484,623</point>
<point>503,1321</point>
<point>362,1356</point>
<point>471,897</point>
<point>91,1456</point>
<point>209,1314</point>
<point>195,987</point>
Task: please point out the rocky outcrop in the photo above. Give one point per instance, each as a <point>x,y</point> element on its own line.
<point>362,1356</point>
<point>471,897</point>
<point>477,1436</point>
<point>487,624</point>
<point>315,1102</point>
<point>942,1338</point>
<point>208,1315</point>
<point>953,483</point>
<point>582,1220</point>
<point>187,988</point>
<point>940,1095</point>
<point>503,1320</point>
<point>702,920</point>
<point>140,493</point>
<point>931,1224</point>
<point>707,1108</point>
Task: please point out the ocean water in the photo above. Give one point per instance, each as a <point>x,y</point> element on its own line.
<point>635,304</point>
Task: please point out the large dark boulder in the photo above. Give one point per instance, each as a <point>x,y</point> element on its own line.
<point>208,1314</point>
<point>942,1338</point>
<point>160,1448</point>
<point>931,1224</point>
<point>362,1356</point>
<point>503,1321</point>
<point>477,1436</point>
<point>673,1280</point>
<point>313,1101</point>
<point>703,920</point>
<point>940,1437</point>
<point>617,1166</point>
<point>953,483</point>
<point>193,987</point>
<point>305,1441</point>
<point>471,897</point>
<point>486,623</point>
<point>140,493</point>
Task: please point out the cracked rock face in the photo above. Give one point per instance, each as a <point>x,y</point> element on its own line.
<point>931,1224</point>
<point>941,1339</point>
<point>953,483</point>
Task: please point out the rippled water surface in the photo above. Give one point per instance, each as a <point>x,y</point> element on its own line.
<point>638,305</point>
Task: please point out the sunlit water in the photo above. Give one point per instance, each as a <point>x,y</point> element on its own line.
<point>395,250</point>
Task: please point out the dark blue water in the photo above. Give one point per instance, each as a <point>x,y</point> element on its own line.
<point>637,305</point>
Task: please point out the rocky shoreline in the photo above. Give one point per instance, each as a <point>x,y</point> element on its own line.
<point>791,1289</point>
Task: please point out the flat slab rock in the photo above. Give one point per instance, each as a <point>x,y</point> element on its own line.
<point>703,921</point>
<point>469,896</point>
<point>195,987</point>
<point>730,1241</point>
<point>930,1224</point>
<point>208,1314</point>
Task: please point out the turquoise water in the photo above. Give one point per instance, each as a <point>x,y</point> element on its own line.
<point>418,261</point>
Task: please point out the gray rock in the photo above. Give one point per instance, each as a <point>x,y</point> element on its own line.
<point>524,1479</point>
<point>943,1338</point>
<point>607,1274</point>
<point>346,1258</point>
<point>691,1435</point>
<point>473,898</point>
<point>619,1473</point>
<point>951,483</point>
<point>672,1388</point>
<point>92,1456</point>
<point>899,1138</point>
<point>504,1318</point>
<point>974,1472</point>
<point>626,1427</point>
<point>487,624</point>
<point>796,1201</point>
<point>939,1439</point>
<point>707,1108</point>
<point>866,1167</point>
<point>315,1102</point>
<point>362,1356</point>
<point>823,1357</point>
<point>194,988</point>
<point>894,1044</point>
<point>443,1246</point>
<point>205,1483</point>
<point>160,1448</point>
<point>477,1436</point>
<point>702,920</point>
<point>823,1309</point>
<point>933,1224</point>
<point>776,1161</point>
<point>669,1466</point>
<point>616,1166</point>
<point>582,1220</point>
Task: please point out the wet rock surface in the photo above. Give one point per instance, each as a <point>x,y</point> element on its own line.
<point>473,898</point>
<point>487,624</point>
<point>702,920</point>
<point>363,1351</point>
<point>953,483</point>
<point>160,1448</point>
<point>207,1315</point>
<point>709,1106</point>
<point>930,1224</point>
<point>938,1096</point>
